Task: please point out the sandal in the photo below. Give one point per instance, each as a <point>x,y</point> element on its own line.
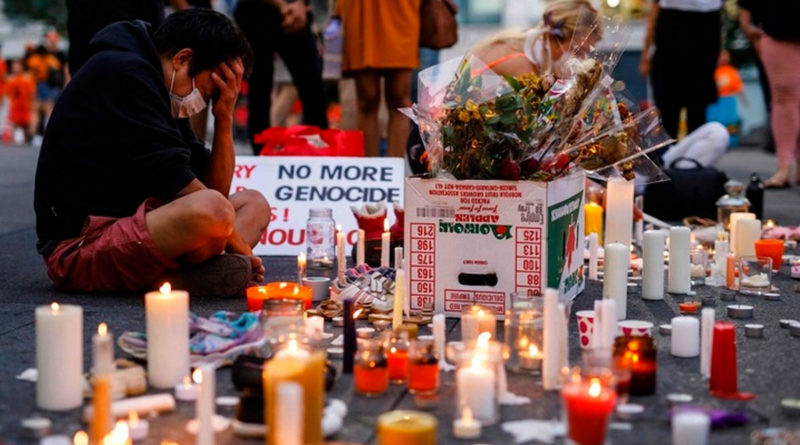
<point>777,184</point>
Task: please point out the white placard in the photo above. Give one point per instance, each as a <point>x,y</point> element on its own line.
<point>295,184</point>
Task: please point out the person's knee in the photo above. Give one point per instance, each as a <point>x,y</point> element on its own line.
<point>212,213</point>
<point>718,135</point>
<point>368,103</point>
<point>397,99</point>
<point>258,204</point>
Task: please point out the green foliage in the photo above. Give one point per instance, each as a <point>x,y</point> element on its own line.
<point>52,12</point>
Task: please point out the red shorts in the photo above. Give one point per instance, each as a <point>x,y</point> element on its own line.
<point>111,254</point>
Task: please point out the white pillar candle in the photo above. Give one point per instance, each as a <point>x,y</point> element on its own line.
<point>685,337</point>
<point>143,405</point>
<point>186,391</point>
<point>735,218</point>
<point>551,341</point>
<point>385,244</point>
<point>679,266</point>
<point>102,351</point>
<point>608,319</point>
<point>399,298</point>
<point>706,333</point>
<point>341,259</point>
<point>720,258</point>
<point>639,231</point>
<point>596,340</point>
<point>615,276</point>
<point>59,357</point>
<point>167,314</point>
<point>619,211</point>
<point>748,231</point>
<point>398,258</point>
<point>204,405</point>
<point>360,249</point>
<point>289,425</point>
<point>301,266</point>
<point>593,256</point>
<point>653,265</point>
<point>690,428</point>
<point>439,335</point>
<point>476,386</point>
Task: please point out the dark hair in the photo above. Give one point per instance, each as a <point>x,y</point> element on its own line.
<point>212,37</point>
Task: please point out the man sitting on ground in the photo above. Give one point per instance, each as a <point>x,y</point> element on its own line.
<point>125,195</point>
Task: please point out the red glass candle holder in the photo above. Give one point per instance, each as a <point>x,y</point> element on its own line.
<point>257,294</point>
<point>371,370</point>
<point>423,368</point>
<point>396,345</point>
<point>772,248</point>
<point>588,403</point>
<point>639,355</point>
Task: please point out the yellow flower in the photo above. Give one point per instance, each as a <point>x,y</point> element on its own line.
<point>490,114</point>
<point>463,116</point>
<point>471,105</point>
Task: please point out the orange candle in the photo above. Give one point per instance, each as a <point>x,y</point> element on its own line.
<point>772,248</point>
<point>257,294</point>
<point>689,307</point>
<point>371,379</point>
<point>398,364</point>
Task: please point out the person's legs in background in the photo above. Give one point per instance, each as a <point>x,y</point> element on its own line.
<point>300,54</point>
<point>695,116</point>
<point>781,60</point>
<point>368,94</point>
<point>258,21</point>
<point>398,95</point>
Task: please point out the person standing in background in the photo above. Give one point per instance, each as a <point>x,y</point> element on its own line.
<point>381,40</point>
<point>686,35</point>
<point>750,13</point>
<point>284,27</point>
<point>779,48</point>
<point>20,88</point>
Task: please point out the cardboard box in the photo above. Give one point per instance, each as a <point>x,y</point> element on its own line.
<point>478,241</point>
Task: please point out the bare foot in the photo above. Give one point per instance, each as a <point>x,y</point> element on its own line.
<point>779,180</point>
<point>257,276</point>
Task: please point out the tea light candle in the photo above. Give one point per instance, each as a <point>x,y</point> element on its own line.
<point>706,332</point>
<point>794,329</point>
<point>530,358</point>
<point>754,330</point>
<point>365,332</point>
<point>665,329</point>
<point>167,319</point>
<point>301,266</point>
<point>690,428</point>
<point>186,391</point>
<point>360,247</point>
<point>593,241</point>
<point>204,377</point>
<point>784,323</point>
<point>740,311</point>
<point>685,337</point>
<point>593,217</point>
<point>59,357</point>
<point>619,212</point>
<point>341,259</point>
<point>120,435</point>
<point>615,278</point>
<point>385,243</point>
<point>790,407</point>
<point>653,265</point>
<point>748,231</point>
<point>679,281</point>
<point>139,428</point>
<point>402,427</point>
<point>466,427</point>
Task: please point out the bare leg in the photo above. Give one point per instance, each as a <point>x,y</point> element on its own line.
<point>252,215</point>
<point>368,91</point>
<point>398,95</point>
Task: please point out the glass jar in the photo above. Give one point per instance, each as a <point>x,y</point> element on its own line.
<point>733,201</point>
<point>599,362</point>
<point>638,354</point>
<point>371,370</point>
<point>423,367</point>
<point>523,336</point>
<point>477,381</point>
<point>396,344</point>
<point>282,315</point>
<point>320,236</point>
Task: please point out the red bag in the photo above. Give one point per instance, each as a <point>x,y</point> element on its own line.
<point>308,140</point>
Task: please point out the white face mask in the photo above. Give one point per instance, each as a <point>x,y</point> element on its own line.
<point>185,106</point>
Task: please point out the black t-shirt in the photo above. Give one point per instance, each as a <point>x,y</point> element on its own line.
<point>779,19</point>
<point>86,17</point>
<point>111,141</point>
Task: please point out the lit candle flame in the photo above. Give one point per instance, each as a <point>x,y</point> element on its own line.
<point>293,348</point>
<point>187,381</point>
<point>301,258</point>
<point>466,415</point>
<point>133,419</point>
<point>357,313</point>
<point>296,290</point>
<point>283,285</point>
<point>102,329</point>
<point>386,224</point>
<point>119,435</point>
<point>769,224</point>
<point>169,442</point>
<point>338,227</point>
<point>165,288</point>
<point>80,438</point>
<point>197,376</point>
<point>533,350</point>
<point>524,342</point>
<point>393,350</point>
<point>55,307</point>
<point>594,387</point>
<point>483,340</point>
<point>477,362</point>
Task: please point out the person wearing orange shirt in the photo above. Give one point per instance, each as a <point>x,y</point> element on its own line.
<point>21,89</point>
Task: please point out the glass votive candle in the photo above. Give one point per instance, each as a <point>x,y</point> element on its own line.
<point>599,362</point>
<point>637,354</point>
<point>396,345</point>
<point>588,403</point>
<point>698,257</point>
<point>282,314</point>
<point>523,327</point>
<point>423,367</point>
<point>755,275</point>
<point>771,248</point>
<point>475,320</point>
<point>371,368</point>
<point>476,383</point>
<point>691,305</point>
<point>402,427</point>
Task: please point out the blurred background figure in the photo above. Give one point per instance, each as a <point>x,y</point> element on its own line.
<point>750,21</point>
<point>276,26</point>
<point>779,48</point>
<point>48,64</point>
<point>381,43</point>
<point>20,87</point>
<point>686,35</point>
